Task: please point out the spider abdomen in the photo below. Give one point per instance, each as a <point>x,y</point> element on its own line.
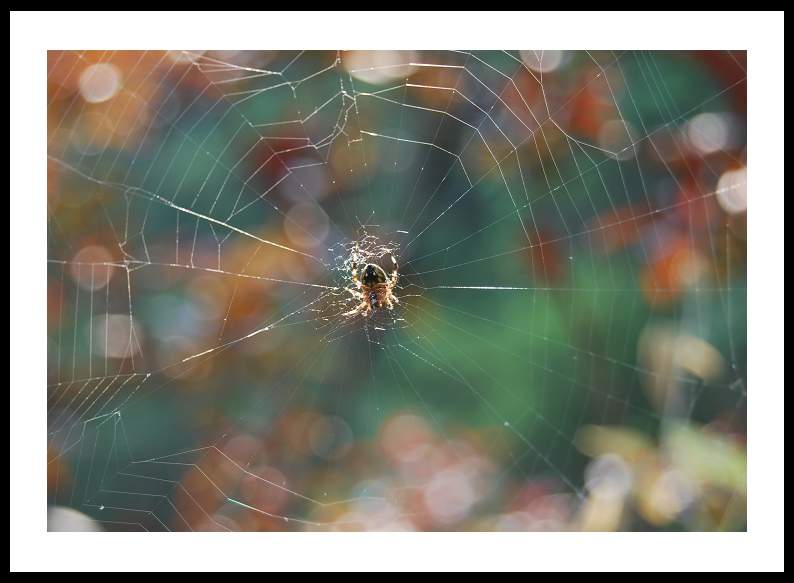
<point>373,275</point>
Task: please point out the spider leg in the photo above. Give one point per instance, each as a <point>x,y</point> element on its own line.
<point>393,273</point>
<point>359,309</point>
<point>355,267</point>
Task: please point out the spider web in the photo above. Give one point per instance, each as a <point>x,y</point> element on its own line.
<point>569,346</point>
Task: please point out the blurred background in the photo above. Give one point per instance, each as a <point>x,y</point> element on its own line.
<point>568,349</point>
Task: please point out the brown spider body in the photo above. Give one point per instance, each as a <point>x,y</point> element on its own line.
<point>374,289</point>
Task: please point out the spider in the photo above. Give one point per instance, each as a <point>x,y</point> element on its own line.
<point>374,289</point>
